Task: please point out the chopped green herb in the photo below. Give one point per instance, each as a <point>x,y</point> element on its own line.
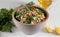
<point>5,18</point>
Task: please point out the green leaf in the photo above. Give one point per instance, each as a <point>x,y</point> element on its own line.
<point>5,18</point>
<point>30,4</point>
<point>29,19</point>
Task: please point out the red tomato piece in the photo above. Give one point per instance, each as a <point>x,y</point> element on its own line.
<point>27,14</point>
<point>32,8</point>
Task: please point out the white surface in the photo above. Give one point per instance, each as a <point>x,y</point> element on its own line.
<point>54,18</point>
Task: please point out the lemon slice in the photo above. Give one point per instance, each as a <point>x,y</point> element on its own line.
<point>44,3</point>
<point>48,29</point>
<point>57,30</point>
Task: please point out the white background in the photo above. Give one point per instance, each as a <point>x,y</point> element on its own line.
<point>54,17</point>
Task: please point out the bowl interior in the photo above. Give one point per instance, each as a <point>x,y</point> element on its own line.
<point>45,13</point>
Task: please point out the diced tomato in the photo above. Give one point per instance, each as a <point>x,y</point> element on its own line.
<point>42,17</point>
<point>27,14</point>
<point>32,8</point>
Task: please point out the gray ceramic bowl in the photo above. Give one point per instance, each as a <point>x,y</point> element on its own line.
<point>29,28</point>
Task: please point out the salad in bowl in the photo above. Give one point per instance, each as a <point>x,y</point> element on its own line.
<point>30,14</point>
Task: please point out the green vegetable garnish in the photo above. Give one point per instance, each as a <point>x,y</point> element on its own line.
<point>5,20</point>
<point>30,4</point>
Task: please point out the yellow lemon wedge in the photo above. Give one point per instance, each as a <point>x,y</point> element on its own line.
<point>48,29</point>
<point>57,30</point>
<point>44,3</point>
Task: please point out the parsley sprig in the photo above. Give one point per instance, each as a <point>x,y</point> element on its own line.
<point>5,20</point>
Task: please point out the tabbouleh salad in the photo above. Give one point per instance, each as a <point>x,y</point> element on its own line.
<point>30,14</point>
